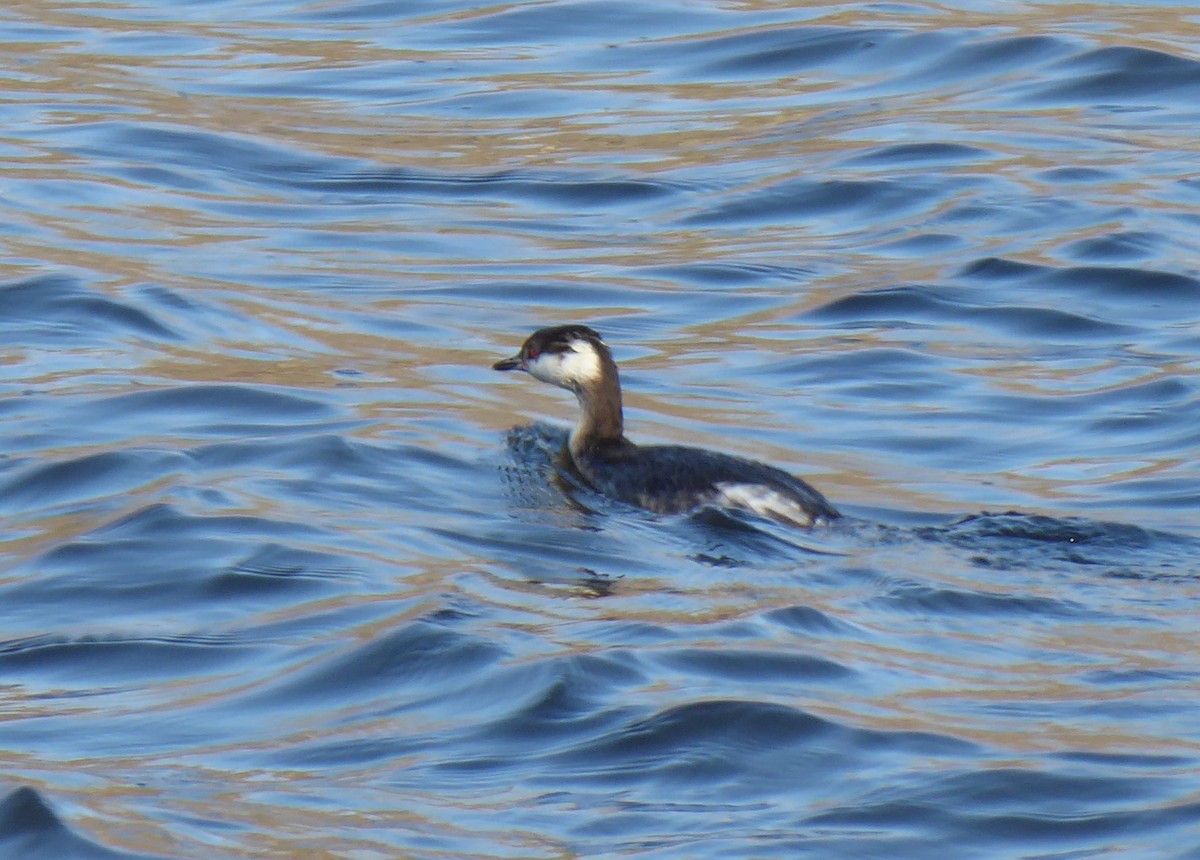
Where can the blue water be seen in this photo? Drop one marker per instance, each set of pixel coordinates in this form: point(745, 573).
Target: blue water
point(288, 571)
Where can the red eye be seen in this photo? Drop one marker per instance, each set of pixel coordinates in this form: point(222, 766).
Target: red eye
point(532, 353)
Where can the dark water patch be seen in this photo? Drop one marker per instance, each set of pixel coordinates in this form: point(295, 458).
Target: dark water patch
point(727, 275)
point(574, 26)
point(1122, 247)
point(160, 558)
point(548, 294)
point(633, 634)
point(568, 191)
point(799, 200)
point(921, 245)
point(1012, 212)
point(902, 155)
point(1135, 679)
point(324, 452)
point(1035, 323)
point(529, 103)
point(695, 743)
point(1000, 269)
point(1167, 408)
point(1125, 409)
point(943, 602)
point(1019, 810)
point(1137, 286)
point(112, 659)
point(1119, 74)
point(328, 756)
point(1095, 303)
point(1031, 541)
point(1190, 187)
point(1003, 801)
point(870, 364)
point(165, 523)
point(419, 657)
point(272, 567)
point(865, 60)
point(203, 319)
point(1138, 289)
point(942, 306)
point(780, 51)
point(498, 718)
point(162, 177)
point(807, 621)
point(57, 310)
point(380, 10)
point(1179, 494)
point(200, 153)
point(12, 407)
point(1076, 176)
point(1134, 761)
point(1124, 414)
point(211, 409)
point(565, 701)
point(893, 304)
point(702, 748)
point(339, 471)
point(576, 684)
point(31, 830)
point(753, 667)
point(256, 163)
point(581, 557)
point(87, 478)
point(1036, 528)
point(993, 58)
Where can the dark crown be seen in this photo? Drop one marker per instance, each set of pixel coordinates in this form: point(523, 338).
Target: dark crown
point(557, 338)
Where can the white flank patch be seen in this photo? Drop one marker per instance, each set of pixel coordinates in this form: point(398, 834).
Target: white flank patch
point(763, 501)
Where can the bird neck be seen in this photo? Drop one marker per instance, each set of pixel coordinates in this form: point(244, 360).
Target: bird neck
point(601, 421)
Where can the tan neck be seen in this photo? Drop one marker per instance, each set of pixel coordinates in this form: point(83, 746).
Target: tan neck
point(601, 421)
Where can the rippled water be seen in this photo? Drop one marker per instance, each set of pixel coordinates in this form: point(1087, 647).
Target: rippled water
point(280, 580)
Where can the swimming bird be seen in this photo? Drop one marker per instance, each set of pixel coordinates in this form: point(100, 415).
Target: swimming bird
point(666, 479)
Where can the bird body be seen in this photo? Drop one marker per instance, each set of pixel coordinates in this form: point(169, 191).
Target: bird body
point(661, 478)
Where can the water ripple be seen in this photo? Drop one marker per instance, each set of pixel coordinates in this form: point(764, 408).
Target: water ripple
point(51, 309)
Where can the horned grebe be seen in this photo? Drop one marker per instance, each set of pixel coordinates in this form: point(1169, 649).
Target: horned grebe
point(666, 479)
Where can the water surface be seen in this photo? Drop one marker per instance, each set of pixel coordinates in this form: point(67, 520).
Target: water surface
point(280, 579)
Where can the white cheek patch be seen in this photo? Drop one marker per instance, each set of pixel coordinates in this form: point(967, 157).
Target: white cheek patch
point(580, 364)
point(546, 367)
point(763, 501)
